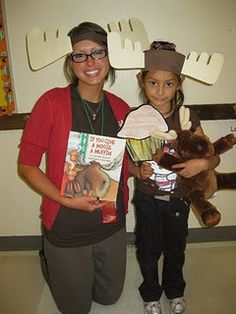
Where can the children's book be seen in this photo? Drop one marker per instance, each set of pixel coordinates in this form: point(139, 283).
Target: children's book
point(93, 165)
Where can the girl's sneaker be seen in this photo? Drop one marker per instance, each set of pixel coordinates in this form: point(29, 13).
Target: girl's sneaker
point(152, 307)
point(177, 305)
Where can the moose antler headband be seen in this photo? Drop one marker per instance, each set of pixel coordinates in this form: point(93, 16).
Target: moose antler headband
point(128, 49)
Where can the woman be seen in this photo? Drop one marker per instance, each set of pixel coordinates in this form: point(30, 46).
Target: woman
point(86, 258)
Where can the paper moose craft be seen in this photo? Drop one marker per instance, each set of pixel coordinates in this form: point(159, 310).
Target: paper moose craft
point(202, 186)
point(139, 140)
point(145, 130)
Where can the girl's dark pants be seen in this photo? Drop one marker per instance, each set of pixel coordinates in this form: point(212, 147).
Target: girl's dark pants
point(161, 227)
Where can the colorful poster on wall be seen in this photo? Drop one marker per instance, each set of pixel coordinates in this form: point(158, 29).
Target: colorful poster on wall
point(7, 105)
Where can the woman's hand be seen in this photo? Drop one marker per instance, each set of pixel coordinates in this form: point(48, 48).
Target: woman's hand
point(43, 185)
point(84, 202)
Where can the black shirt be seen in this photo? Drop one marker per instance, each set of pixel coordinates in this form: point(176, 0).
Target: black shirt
point(74, 227)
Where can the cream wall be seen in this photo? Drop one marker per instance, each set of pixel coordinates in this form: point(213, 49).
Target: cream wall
point(208, 25)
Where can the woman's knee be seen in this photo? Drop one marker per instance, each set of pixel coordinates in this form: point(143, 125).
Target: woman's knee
point(108, 298)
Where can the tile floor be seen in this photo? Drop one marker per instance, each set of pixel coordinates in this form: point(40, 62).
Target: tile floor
point(210, 273)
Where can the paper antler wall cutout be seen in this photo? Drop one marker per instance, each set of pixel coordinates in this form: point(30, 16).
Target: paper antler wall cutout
point(126, 43)
point(125, 53)
point(45, 48)
point(203, 67)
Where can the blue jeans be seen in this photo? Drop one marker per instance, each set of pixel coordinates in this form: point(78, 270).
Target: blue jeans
point(161, 228)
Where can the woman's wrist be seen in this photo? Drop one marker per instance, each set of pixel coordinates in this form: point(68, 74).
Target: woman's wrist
point(64, 201)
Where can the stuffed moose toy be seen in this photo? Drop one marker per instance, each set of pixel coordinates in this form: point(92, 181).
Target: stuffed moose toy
point(201, 187)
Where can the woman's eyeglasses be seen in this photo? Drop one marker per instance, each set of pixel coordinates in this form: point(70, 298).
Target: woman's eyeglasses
point(82, 57)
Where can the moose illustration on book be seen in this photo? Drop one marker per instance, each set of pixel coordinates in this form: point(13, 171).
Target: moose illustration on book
point(93, 165)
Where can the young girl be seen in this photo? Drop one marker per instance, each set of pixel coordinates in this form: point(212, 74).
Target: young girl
point(161, 209)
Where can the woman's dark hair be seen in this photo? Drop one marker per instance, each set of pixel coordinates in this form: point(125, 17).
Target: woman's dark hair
point(178, 99)
point(86, 30)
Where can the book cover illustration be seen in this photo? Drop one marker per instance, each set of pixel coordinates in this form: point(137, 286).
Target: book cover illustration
point(93, 165)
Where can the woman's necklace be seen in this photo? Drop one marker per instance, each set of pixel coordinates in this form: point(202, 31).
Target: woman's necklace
point(90, 112)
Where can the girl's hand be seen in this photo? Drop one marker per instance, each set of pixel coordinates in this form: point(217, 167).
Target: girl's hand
point(84, 202)
point(145, 170)
point(191, 167)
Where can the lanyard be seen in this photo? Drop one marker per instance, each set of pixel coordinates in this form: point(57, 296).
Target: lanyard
point(88, 116)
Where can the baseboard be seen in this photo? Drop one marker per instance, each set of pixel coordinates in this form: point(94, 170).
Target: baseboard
point(20, 243)
point(196, 235)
